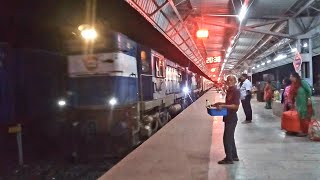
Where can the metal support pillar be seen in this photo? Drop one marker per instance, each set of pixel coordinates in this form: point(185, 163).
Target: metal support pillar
point(307, 69)
point(304, 46)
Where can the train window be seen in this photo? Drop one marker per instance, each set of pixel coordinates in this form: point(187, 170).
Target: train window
point(160, 67)
point(144, 63)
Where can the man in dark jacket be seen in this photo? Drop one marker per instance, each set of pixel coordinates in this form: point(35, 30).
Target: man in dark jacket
point(232, 104)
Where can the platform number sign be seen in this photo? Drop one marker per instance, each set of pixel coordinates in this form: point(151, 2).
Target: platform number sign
point(297, 62)
point(211, 60)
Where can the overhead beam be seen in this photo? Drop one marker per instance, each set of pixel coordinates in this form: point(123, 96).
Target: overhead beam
point(182, 22)
point(272, 17)
point(210, 49)
point(180, 2)
point(315, 8)
point(221, 15)
point(267, 32)
point(158, 7)
point(303, 8)
point(246, 28)
point(268, 22)
point(193, 54)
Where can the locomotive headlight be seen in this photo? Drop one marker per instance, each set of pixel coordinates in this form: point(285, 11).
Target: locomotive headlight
point(88, 32)
point(62, 103)
point(185, 90)
point(113, 101)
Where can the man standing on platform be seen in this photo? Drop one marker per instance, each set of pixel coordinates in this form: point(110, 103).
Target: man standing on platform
point(245, 90)
point(230, 121)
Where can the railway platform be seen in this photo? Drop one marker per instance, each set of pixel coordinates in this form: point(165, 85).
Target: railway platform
point(190, 145)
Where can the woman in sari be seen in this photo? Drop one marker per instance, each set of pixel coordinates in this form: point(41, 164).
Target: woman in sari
point(300, 95)
point(268, 94)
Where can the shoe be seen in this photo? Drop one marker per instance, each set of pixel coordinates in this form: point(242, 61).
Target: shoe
point(224, 161)
point(246, 122)
point(235, 159)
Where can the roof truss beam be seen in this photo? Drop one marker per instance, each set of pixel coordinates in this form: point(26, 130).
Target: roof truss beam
point(306, 6)
point(268, 22)
point(191, 51)
point(315, 8)
point(247, 28)
point(159, 8)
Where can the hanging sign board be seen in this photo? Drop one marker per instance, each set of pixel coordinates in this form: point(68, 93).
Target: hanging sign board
point(211, 60)
point(297, 61)
point(14, 129)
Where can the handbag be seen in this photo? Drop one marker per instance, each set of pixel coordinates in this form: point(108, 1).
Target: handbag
point(314, 125)
point(314, 130)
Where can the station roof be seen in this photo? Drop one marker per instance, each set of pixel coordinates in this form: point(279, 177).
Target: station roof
point(239, 43)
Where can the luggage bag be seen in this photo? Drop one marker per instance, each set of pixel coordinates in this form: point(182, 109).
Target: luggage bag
point(314, 130)
point(290, 121)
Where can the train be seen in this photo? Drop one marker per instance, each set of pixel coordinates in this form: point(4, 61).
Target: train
point(126, 90)
point(110, 97)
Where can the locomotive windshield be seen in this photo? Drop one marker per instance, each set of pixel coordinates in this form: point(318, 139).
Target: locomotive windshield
point(102, 90)
point(85, 93)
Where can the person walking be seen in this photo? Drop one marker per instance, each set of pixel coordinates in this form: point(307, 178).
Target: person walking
point(232, 103)
point(268, 94)
point(245, 92)
point(300, 94)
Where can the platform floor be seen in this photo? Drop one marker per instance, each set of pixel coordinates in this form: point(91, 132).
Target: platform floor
point(189, 147)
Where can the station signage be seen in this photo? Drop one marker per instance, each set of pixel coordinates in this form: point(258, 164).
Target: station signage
point(211, 60)
point(297, 61)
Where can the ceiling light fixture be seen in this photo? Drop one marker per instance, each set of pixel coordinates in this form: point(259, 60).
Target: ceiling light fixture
point(280, 56)
point(242, 13)
point(305, 45)
point(229, 49)
point(269, 61)
point(202, 33)
point(262, 64)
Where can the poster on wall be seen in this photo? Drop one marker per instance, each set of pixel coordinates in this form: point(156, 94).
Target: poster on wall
point(297, 61)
